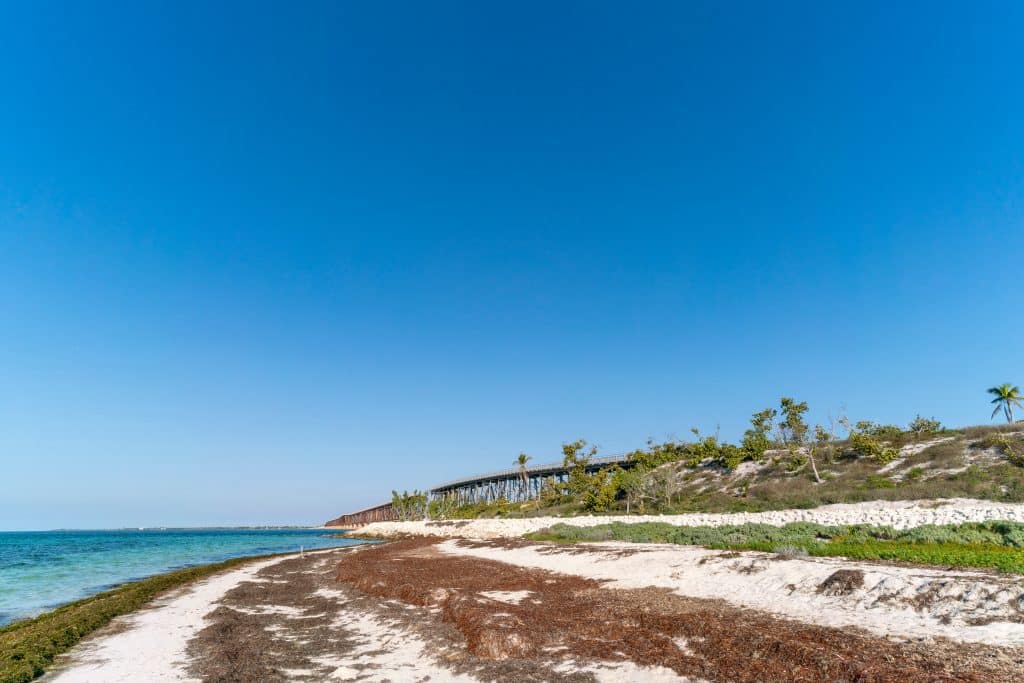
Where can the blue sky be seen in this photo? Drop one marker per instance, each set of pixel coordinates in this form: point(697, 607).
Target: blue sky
point(264, 263)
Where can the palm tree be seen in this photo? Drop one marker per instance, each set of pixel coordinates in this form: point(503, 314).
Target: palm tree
point(1006, 397)
point(521, 461)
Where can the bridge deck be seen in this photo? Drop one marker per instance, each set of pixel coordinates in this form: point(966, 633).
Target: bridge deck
point(549, 469)
point(509, 484)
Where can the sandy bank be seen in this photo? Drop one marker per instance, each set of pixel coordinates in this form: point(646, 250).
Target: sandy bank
point(457, 610)
point(897, 514)
point(887, 600)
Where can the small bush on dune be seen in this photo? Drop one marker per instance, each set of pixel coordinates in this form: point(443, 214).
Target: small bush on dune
point(922, 426)
point(914, 473)
point(877, 481)
point(867, 445)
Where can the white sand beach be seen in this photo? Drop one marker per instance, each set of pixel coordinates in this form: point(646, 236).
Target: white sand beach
point(304, 621)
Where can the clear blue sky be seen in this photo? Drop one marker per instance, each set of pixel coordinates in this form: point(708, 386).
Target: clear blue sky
point(264, 263)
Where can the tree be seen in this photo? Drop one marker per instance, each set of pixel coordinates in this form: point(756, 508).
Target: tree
point(631, 482)
point(793, 431)
point(521, 461)
point(824, 443)
point(443, 506)
point(576, 459)
point(409, 506)
point(1006, 397)
point(793, 428)
point(756, 440)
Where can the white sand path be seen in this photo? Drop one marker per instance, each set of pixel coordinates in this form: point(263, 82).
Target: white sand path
point(150, 644)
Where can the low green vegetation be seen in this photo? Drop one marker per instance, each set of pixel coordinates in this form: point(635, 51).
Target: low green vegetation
point(993, 545)
point(28, 647)
point(781, 461)
point(794, 464)
point(985, 463)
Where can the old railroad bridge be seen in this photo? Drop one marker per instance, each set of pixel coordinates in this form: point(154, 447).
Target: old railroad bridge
point(514, 484)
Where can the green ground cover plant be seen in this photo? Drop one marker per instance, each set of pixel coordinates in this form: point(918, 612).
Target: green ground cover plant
point(29, 646)
point(993, 545)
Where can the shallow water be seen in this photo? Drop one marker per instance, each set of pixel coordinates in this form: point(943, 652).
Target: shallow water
point(40, 570)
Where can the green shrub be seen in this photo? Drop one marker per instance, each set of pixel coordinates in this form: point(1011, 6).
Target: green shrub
point(796, 463)
point(887, 455)
point(602, 489)
point(877, 481)
point(879, 431)
point(756, 440)
point(868, 445)
point(755, 444)
point(887, 432)
point(922, 426)
point(731, 456)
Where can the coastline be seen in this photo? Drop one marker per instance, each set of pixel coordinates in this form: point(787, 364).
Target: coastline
point(466, 610)
point(29, 647)
point(462, 610)
point(441, 600)
point(43, 570)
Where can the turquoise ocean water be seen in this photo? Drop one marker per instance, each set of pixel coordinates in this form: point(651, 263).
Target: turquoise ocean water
point(40, 570)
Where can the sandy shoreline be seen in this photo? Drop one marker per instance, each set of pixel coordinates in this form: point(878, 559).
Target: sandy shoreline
point(466, 610)
point(150, 643)
point(897, 514)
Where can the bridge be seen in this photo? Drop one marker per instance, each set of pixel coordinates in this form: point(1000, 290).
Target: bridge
point(514, 484)
point(378, 513)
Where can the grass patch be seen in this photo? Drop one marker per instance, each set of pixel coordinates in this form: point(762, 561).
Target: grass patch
point(982, 556)
point(28, 646)
point(992, 545)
